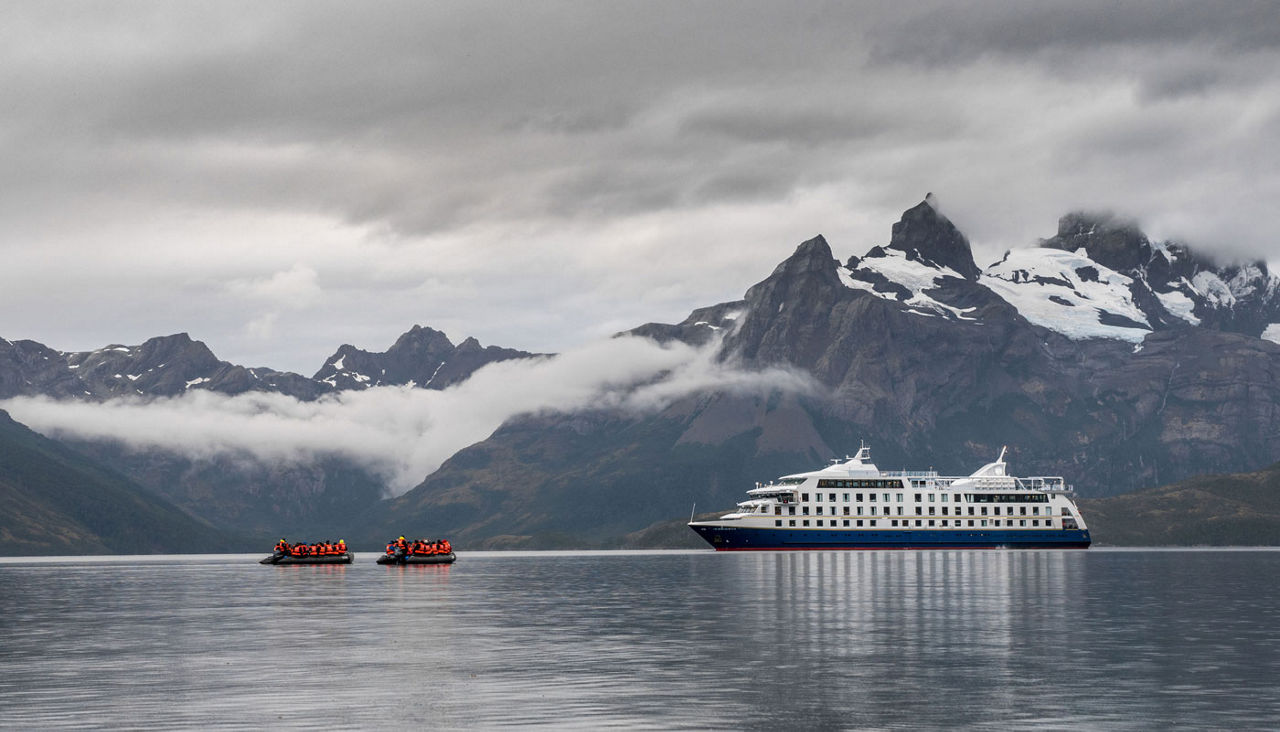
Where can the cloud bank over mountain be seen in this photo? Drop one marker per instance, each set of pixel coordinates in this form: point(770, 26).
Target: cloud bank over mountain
point(403, 433)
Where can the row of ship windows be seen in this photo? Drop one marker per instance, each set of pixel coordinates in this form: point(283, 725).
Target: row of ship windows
point(919, 497)
point(920, 522)
point(865, 483)
point(920, 511)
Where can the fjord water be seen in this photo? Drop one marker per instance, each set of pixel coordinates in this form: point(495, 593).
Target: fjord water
point(980, 639)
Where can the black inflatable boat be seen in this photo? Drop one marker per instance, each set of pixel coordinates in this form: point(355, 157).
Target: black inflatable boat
point(279, 558)
point(418, 558)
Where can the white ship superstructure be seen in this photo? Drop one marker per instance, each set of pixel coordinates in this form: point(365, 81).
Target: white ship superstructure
point(851, 504)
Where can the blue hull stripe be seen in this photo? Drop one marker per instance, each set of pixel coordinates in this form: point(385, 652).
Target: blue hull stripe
point(736, 538)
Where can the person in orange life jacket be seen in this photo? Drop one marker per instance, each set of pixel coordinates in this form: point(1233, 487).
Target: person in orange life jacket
point(282, 546)
point(342, 546)
point(391, 547)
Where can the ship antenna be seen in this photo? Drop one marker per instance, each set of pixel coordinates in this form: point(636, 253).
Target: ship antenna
point(692, 511)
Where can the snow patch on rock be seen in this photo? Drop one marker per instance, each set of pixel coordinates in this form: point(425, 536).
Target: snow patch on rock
point(1046, 287)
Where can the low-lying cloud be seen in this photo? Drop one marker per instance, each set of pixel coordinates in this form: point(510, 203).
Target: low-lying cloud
point(404, 433)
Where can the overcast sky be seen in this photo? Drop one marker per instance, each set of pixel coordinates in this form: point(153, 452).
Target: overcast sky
point(280, 178)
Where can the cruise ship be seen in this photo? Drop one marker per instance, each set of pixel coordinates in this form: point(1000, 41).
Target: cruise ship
point(851, 504)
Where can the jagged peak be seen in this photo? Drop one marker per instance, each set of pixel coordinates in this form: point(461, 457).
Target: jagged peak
point(924, 234)
point(812, 255)
point(421, 336)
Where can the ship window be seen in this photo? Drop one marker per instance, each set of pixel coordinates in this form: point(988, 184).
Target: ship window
point(873, 510)
point(806, 522)
point(819, 511)
point(873, 523)
point(777, 522)
point(984, 512)
point(846, 498)
point(805, 510)
point(893, 522)
point(819, 522)
point(984, 522)
point(1022, 510)
point(1022, 522)
point(930, 498)
point(1035, 510)
point(944, 510)
point(917, 498)
point(846, 510)
point(918, 522)
point(944, 522)
point(791, 510)
point(859, 510)
point(899, 498)
point(831, 498)
point(899, 510)
point(804, 497)
point(872, 497)
point(931, 522)
point(971, 510)
point(859, 522)
point(944, 497)
point(777, 510)
point(1048, 522)
point(858, 498)
point(919, 511)
point(791, 522)
point(971, 522)
point(846, 523)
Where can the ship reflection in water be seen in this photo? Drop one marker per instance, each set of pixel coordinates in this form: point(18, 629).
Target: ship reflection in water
point(983, 639)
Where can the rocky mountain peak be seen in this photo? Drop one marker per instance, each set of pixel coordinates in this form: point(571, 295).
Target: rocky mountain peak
point(924, 234)
point(1108, 239)
point(812, 257)
point(422, 340)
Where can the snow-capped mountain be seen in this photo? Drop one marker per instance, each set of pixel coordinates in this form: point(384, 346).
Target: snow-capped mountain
point(162, 366)
point(422, 357)
point(1099, 277)
point(168, 366)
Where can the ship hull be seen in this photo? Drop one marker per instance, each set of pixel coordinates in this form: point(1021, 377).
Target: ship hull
point(741, 538)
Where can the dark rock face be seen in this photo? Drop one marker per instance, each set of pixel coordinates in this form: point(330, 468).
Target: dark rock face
point(924, 234)
point(423, 357)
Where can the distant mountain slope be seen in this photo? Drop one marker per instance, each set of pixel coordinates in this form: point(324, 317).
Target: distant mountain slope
point(168, 366)
point(234, 491)
point(1214, 510)
point(422, 357)
point(55, 501)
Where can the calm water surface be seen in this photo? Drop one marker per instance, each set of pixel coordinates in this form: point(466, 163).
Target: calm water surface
point(978, 639)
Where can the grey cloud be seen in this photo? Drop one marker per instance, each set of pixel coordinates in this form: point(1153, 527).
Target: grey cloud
point(964, 31)
point(534, 174)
